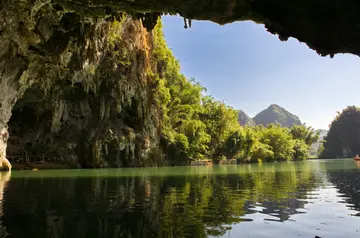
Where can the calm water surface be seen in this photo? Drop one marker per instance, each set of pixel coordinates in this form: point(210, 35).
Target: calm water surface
point(301, 199)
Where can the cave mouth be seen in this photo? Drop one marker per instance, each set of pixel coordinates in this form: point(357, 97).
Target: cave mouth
point(68, 129)
point(40, 129)
point(25, 136)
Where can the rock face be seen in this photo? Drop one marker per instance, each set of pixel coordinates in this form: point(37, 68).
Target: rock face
point(100, 113)
point(327, 27)
point(276, 114)
point(79, 89)
point(4, 136)
point(244, 119)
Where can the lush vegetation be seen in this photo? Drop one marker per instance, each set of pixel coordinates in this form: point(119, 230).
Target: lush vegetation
point(342, 139)
point(196, 127)
point(318, 146)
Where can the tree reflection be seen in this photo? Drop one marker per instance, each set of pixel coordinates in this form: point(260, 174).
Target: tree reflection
point(151, 206)
point(347, 183)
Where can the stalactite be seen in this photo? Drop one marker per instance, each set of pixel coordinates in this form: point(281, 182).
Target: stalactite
point(185, 23)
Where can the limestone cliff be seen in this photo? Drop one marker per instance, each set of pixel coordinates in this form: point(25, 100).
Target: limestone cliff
point(78, 88)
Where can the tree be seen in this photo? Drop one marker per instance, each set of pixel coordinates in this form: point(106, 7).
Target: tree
point(306, 134)
point(280, 141)
point(234, 144)
point(301, 150)
point(221, 123)
point(343, 138)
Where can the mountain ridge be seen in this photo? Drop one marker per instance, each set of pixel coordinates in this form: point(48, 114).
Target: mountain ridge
point(272, 114)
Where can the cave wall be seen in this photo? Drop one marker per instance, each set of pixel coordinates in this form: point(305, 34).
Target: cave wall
point(101, 114)
point(328, 27)
point(79, 88)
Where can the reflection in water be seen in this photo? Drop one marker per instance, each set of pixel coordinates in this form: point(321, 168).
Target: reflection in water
point(4, 178)
point(346, 179)
point(147, 206)
point(357, 162)
point(153, 205)
point(349, 187)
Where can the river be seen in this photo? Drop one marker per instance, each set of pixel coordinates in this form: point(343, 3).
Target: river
point(290, 199)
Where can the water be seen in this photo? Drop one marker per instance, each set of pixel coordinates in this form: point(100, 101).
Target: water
point(301, 199)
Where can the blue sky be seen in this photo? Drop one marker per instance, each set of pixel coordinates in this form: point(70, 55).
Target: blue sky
point(248, 68)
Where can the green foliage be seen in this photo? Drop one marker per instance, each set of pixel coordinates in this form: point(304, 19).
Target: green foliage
point(222, 127)
point(234, 144)
point(301, 150)
point(314, 150)
point(342, 139)
point(306, 134)
point(304, 137)
point(184, 135)
point(281, 144)
point(321, 148)
point(280, 141)
point(196, 127)
point(261, 152)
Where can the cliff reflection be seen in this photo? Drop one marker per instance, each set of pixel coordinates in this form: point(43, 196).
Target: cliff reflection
point(347, 183)
point(4, 179)
point(151, 206)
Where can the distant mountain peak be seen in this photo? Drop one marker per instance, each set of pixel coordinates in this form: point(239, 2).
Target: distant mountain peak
point(277, 115)
point(244, 119)
point(274, 106)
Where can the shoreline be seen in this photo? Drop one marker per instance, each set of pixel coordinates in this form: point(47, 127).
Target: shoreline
point(59, 165)
point(42, 166)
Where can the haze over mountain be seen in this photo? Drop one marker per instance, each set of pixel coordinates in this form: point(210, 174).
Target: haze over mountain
point(273, 114)
point(314, 147)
